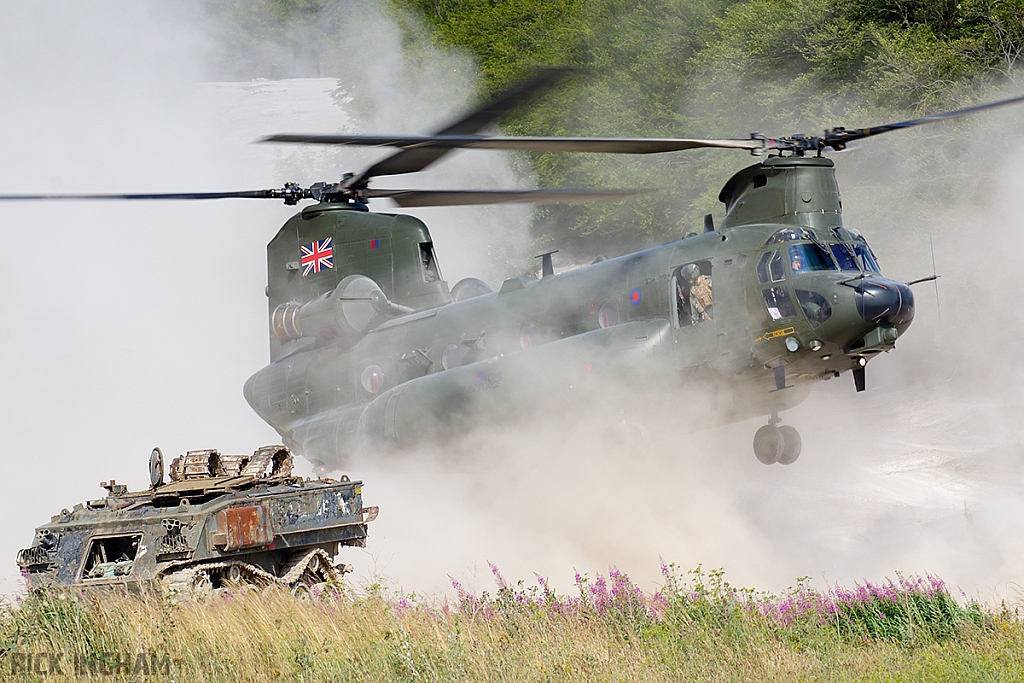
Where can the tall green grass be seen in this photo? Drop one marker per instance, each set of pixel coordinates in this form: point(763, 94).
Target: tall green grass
point(696, 627)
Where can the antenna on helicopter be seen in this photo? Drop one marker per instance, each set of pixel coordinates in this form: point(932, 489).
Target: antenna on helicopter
point(938, 307)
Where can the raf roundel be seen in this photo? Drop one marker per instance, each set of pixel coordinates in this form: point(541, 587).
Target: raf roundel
point(635, 297)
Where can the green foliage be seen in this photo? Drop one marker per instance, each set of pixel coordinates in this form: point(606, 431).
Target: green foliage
point(693, 68)
point(685, 68)
point(510, 36)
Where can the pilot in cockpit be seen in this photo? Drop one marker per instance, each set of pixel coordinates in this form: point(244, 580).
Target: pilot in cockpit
point(796, 260)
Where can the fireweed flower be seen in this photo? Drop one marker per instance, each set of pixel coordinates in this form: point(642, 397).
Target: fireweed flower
point(904, 609)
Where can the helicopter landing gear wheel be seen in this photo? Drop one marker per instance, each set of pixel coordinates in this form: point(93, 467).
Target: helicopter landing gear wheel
point(769, 444)
point(791, 445)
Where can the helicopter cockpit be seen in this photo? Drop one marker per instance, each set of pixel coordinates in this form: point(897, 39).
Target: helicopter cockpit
point(805, 253)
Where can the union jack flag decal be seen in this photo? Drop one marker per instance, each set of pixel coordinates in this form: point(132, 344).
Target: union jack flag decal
point(317, 256)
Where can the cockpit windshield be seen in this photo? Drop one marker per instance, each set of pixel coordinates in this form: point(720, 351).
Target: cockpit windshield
point(809, 257)
point(844, 257)
point(866, 257)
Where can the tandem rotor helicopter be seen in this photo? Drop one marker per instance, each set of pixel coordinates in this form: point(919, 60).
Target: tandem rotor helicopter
point(372, 351)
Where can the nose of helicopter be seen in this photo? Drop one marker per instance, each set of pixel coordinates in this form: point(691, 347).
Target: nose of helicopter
point(885, 302)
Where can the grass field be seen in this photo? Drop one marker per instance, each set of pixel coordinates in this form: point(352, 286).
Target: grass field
point(697, 627)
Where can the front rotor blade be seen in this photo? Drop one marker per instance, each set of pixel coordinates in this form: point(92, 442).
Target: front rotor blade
point(524, 144)
point(837, 138)
point(414, 198)
point(623, 145)
point(412, 160)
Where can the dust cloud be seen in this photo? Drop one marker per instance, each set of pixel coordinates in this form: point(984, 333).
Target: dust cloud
point(129, 325)
point(924, 472)
point(126, 326)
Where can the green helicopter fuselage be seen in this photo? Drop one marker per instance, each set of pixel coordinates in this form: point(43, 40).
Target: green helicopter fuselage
point(372, 351)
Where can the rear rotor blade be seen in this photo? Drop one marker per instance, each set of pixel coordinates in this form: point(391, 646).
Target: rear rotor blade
point(250, 194)
point(412, 160)
point(290, 193)
point(414, 198)
point(527, 144)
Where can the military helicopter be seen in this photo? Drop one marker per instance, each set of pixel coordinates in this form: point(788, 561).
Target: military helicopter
point(372, 351)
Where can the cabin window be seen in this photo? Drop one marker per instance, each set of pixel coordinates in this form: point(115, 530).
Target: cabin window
point(815, 307)
point(529, 336)
point(111, 556)
point(451, 357)
point(373, 379)
point(770, 268)
point(779, 303)
point(693, 293)
point(430, 273)
point(608, 314)
point(805, 258)
point(844, 257)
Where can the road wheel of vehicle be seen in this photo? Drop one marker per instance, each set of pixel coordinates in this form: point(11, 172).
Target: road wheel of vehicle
point(300, 589)
point(202, 587)
point(232, 574)
point(791, 445)
point(768, 444)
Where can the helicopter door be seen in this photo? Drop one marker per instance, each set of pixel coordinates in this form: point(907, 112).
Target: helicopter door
point(693, 294)
point(693, 312)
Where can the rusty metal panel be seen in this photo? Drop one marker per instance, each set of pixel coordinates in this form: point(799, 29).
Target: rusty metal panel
point(243, 527)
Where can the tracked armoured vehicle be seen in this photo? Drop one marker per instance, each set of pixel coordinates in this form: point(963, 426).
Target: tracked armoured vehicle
point(221, 521)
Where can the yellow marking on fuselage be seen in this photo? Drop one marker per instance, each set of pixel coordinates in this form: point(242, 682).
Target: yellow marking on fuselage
point(775, 334)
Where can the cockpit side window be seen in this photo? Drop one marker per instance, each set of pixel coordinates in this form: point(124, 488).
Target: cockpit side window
point(776, 269)
point(770, 269)
point(816, 307)
point(762, 268)
point(779, 303)
point(809, 257)
point(844, 257)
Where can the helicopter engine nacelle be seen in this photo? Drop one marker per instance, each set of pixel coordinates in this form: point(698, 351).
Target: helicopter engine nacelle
point(345, 313)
